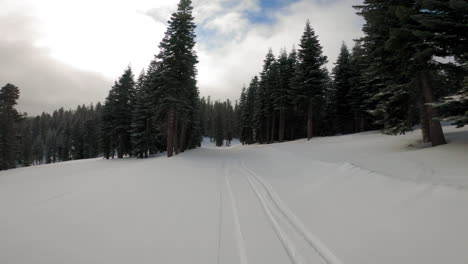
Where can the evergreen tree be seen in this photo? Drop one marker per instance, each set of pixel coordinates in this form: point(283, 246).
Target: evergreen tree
point(410, 35)
point(141, 121)
point(179, 93)
point(264, 114)
point(219, 126)
point(251, 125)
point(243, 115)
point(281, 94)
point(293, 122)
point(117, 116)
point(342, 74)
point(362, 89)
point(444, 24)
point(454, 108)
point(308, 83)
point(25, 157)
point(9, 116)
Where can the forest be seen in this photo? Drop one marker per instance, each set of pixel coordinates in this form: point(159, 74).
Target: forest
point(409, 70)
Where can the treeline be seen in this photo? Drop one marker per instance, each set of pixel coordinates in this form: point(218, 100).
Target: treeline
point(48, 138)
point(219, 121)
point(407, 70)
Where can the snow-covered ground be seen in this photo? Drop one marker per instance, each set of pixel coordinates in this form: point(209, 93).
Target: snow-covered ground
point(361, 199)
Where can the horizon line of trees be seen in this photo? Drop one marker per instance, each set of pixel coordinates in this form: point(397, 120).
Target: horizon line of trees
point(219, 121)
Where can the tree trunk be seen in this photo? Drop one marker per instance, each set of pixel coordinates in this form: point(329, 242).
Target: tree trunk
point(423, 120)
point(435, 128)
point(121, 146)
point(356, 124)
point(362, 124)
point(183, 133)
point(176, 133)
point(425, 124)
point(148, 138)
point(267, 130)
point(309, 121)
point(170, 132)
point(273, 128)
point(281, 126)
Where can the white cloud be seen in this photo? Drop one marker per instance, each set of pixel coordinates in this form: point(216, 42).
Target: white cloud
point(105, 36)
point(226, 67)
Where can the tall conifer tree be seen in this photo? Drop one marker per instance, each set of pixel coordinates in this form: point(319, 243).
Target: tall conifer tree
point(308, 83)
point(179, 95)
point(9, 116)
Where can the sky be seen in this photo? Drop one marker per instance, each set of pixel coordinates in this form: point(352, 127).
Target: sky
point(63, 53)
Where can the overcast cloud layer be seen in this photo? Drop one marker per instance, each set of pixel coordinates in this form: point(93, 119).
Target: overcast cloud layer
point(65, 53)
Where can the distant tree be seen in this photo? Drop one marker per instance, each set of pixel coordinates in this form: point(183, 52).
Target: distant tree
point(25, 155)
point(219, 126)
point(9, 116)
point(117, 116)
point(243, 117)
point(250, 111)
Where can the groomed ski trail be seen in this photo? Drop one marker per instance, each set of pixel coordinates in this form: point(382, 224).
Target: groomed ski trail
point(238, 231)
point(276, 210)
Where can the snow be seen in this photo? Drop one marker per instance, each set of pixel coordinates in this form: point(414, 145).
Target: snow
point(359, 199)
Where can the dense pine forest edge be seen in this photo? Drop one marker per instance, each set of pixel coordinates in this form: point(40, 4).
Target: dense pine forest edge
point(409, 70)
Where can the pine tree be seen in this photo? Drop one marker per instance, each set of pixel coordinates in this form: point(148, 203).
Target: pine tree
point(219, 126)
point(361, 90)
point(25, 157)
point(444, 24)
point(308, 83)
point(292, 121)
point(454, 108)
point(408, 41)
point(9, 116)
point(179, 96)
point(243, 116)
point(264, 105)
point(342, 97)
point(281, 94)
point(249, 115)
point(117, 116)
point(141, 121)
point(388, 74)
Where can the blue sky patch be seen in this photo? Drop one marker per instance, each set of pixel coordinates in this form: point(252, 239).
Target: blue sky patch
point(263, 16)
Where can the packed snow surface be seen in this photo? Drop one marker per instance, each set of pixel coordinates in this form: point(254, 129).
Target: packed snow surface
point(357, 199)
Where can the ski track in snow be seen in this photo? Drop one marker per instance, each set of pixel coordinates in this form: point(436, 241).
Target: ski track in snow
point(220, 226)
point(281, 234)
point(272, 202)
point(237, 226)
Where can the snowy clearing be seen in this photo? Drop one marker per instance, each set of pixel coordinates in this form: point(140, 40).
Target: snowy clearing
point(358, 199)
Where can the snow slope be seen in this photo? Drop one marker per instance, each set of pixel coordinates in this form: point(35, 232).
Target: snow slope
point(361, 199)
